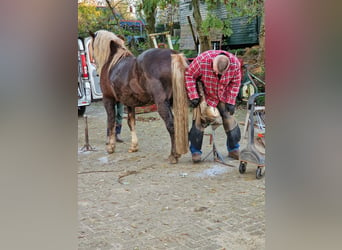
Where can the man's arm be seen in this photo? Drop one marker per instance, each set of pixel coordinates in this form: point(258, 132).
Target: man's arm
point(234, 86)
point(191, 74)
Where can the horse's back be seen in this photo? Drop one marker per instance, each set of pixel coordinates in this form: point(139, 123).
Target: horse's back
point(156, 52)
point(155, 59)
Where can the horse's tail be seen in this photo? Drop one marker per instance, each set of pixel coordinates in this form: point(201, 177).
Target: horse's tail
point(180, 103)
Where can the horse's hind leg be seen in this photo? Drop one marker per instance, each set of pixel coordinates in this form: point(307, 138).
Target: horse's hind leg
point(110, 109)
point(131, 124)
point(164, 110)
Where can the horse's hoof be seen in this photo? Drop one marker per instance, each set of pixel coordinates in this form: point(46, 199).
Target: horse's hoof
point(132, 150)
point(110, 149)
point(173, 160)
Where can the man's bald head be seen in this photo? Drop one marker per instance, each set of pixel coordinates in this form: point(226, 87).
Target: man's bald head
point(221, 64)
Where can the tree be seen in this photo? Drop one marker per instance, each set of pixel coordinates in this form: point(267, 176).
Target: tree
point(89, 18)
point(92, 18)
point(203, 37)
point(235, 8)
point(251, 9)
point(147, 10)
point(119, 9)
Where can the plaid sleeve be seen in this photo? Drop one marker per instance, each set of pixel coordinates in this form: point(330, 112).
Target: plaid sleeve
point(191, 74)
point(234, 84)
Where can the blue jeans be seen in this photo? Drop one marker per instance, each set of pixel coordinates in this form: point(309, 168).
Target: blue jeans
point(193, 149)
point(230, 126)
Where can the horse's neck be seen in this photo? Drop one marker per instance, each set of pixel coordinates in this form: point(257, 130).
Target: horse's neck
point(128, 62)
point(117, 59)
point(125, 68)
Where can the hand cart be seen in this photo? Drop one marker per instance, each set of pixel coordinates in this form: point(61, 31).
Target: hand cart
point(250, 154)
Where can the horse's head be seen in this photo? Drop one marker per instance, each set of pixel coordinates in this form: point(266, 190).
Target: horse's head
point(105, 45)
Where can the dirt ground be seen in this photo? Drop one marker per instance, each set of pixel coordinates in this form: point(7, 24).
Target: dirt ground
point(140, 201)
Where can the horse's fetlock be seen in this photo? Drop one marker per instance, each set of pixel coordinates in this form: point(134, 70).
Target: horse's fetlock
point(173, 159)
point(110, 149)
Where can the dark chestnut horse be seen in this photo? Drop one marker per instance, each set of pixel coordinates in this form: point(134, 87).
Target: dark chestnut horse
point(155, 76)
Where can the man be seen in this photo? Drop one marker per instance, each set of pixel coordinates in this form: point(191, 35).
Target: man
point(220, 73)
point(119, 110)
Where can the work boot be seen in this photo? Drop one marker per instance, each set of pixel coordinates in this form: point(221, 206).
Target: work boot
point(196, 157)
point(234, 154)
point(118, 138)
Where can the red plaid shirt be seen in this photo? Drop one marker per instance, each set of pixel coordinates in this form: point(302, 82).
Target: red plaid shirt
point(225, 90)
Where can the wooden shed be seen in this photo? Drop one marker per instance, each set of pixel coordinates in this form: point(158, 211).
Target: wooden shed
point(244, 33)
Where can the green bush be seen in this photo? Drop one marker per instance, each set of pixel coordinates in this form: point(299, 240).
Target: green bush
point(189, 53)
point(238, 52)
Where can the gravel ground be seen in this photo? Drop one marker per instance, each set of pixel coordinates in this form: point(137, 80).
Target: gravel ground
point(140, 201)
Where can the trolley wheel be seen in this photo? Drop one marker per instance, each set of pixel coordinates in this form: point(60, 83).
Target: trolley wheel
point(242, 167)
point(259, 173)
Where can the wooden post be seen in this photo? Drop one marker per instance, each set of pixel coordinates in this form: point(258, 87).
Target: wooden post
point(193, 34)
point(154, 41)
point(86, 146)
point(168, 36)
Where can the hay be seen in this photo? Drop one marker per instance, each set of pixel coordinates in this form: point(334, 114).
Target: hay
point(180, 103)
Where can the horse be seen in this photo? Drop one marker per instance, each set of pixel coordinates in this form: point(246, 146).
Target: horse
point(156, 76)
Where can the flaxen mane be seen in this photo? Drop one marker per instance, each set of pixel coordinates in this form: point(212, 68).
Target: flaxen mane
point(102, 49)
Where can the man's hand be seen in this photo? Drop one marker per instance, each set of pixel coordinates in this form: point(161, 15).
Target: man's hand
point(194, 102)
point(230, 108)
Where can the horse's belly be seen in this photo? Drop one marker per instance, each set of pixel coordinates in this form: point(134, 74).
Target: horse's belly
point(136, 100)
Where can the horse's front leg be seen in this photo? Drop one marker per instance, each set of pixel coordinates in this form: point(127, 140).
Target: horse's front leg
point(131, 124)
point(109, 105)
point(164, 110)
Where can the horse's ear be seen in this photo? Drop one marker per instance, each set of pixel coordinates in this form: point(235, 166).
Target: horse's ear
point(92, 34)
point(113, 47)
